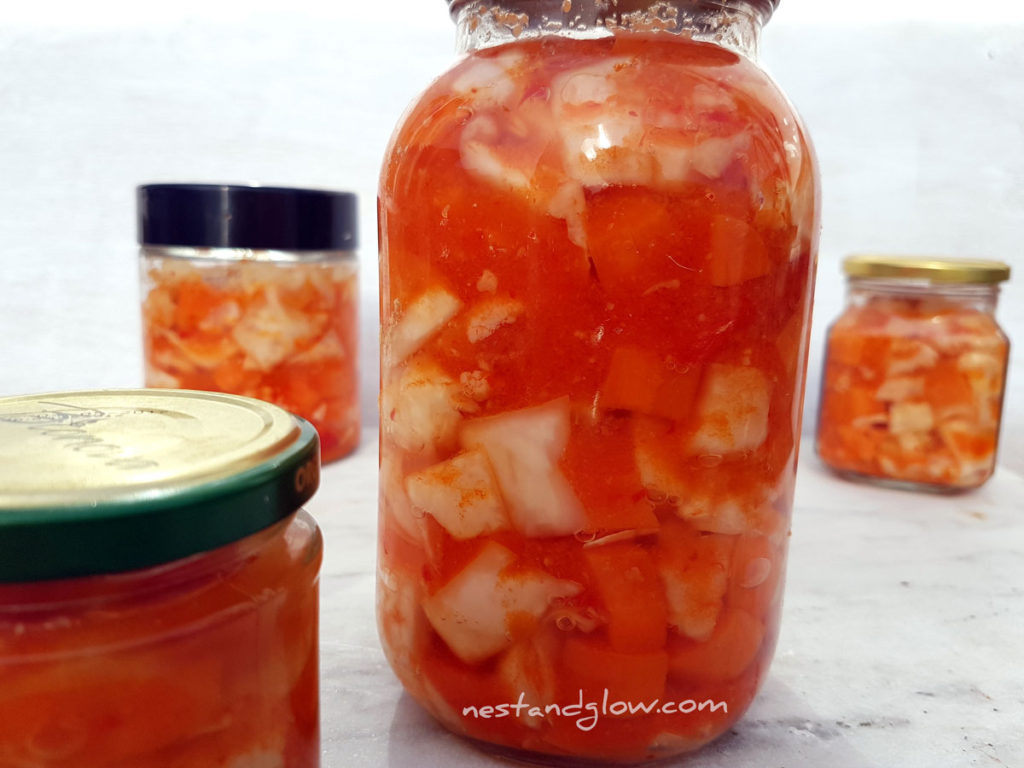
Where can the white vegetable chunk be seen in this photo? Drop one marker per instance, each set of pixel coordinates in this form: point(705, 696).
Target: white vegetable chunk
point(909, 355)
point(526, 668)
point(524, 447)
point(420, 408)
point(905, 418)
point(268, 332)
point(900, 388)
point(732, 411)
point(472, 612)
point(424, 317)
point(461, 494)
point(489, 315)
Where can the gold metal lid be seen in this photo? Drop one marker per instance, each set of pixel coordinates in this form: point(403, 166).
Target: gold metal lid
point(937, 270)
point(113, 480)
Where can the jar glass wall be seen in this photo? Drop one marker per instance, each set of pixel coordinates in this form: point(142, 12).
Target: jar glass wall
point(205, 662)
point(158, 582)
point(598, 237)
point(254, 291)
point(915, 372)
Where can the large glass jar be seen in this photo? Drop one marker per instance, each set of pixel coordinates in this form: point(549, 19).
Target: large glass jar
point(158, 582)
point(254, 291)
point(915, 370)
point(598, 238)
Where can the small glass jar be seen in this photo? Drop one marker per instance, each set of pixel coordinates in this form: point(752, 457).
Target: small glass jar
point(598, 239)
point(254, 291)
point(158, 582)
point(915, 371)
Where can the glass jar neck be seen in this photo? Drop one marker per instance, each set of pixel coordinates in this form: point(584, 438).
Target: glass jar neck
point(980, 297)
point(732, 24)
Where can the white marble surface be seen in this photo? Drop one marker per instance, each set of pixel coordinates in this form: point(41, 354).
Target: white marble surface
point(902, 643)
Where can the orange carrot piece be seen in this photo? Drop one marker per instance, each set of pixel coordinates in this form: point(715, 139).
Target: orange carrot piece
point(730, 650)
point(628, 584)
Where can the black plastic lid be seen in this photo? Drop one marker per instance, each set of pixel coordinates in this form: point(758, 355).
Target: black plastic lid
point(233, 216)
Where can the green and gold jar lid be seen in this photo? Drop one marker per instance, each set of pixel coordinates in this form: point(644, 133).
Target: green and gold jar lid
point(117, 480)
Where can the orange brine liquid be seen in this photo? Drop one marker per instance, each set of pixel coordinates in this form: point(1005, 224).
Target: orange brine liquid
point(597, 261)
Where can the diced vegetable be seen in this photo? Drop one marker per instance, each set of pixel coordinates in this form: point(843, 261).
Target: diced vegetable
point(716, 502)
point(729, 650)
point(489, 605)
point(737, 252)
point(920, 405)
point(695, 569)
point(905, 418)
point(901, 388)
point(269, 331)
point(424, 317)
point(593, 666)
point(420, 408)
point(462, 495)
point(489, 315)
point(524, 447)
point(401, 618)
point(909, 355)
point(640, 380)
point(282, 332)
point(627, 581)
point(732, 411)
point(528, 669)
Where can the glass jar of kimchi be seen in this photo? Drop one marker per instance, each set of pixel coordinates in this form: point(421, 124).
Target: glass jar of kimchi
point(598, 237)
point(254, 291)
point(158, 582)
point(915, 370)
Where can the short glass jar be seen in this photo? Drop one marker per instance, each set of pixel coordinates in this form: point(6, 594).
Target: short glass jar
point(254, 291)
point(158, 582)
point(915, 371)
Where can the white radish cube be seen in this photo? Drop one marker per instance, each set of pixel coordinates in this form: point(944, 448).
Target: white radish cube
point(712, 156)
point(524, 447)
point(396, 508)
point(489, 315)
point(695, 577)
point(910, 355)
point(905, 418)
point(419, 408)
point(732, 411)
point(424, 317)
point(461, 494)
point(900, 388)
point(402, 624)
point(269, 332)
point(527, 669)
point(474, 613)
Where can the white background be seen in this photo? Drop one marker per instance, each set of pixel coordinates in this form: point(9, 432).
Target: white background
point(916, 109)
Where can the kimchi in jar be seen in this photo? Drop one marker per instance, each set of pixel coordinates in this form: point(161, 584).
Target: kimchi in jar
point(158, 582)
point(915, 371)
point(254, 291)
point(598, 238)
